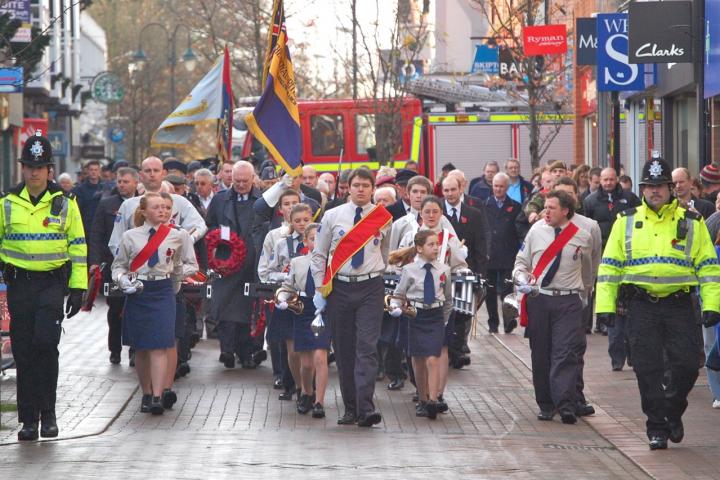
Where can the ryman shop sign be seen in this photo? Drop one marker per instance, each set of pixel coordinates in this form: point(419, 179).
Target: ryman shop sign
point(660, 32)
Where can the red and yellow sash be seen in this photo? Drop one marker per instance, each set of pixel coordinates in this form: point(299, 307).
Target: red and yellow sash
point(355, 239)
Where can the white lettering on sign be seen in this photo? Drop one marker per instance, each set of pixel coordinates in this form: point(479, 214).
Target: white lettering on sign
point(587, 41)
point(620, 77)
point(652, 50)
point(618, 25)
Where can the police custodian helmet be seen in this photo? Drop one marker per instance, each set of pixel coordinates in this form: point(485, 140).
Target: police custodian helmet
point(37, 151)
point(656, 172)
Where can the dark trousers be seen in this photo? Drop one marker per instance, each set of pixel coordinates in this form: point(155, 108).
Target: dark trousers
point(355, 313)
point(589, 311)
point(580, 349)
point(36, 303)
point(235, 338)
point(496, 286)
point(618, 343)
point(554, 324)
point(669, 326)
point(114, 320)
point(463, 323)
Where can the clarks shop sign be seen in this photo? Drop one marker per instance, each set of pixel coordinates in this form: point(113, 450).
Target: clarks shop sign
point(660, 32)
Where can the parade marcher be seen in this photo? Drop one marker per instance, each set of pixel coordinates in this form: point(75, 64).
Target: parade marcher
point(160, 256)
point(232, 211)
point(501, 211)
point(43, 254)
point(682, 181)
point(431, 296)
point(481, 187)
point(99, 253)
point(312, 349)
point(203, 182)
point(89, 193)
point(710, 334)
point(348, 263)
point(566, 184)
point(655, 256)
point(556, 252)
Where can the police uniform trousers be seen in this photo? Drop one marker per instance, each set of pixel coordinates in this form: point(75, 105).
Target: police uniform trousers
point(355, 311)
point(656, 326)
point(554, 324)
point(35, 302)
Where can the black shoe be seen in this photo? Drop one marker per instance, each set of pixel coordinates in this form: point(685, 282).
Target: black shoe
point(545, 416)
point(677, 431)
point(396, 384)
point(658, 442)
point(511, 325)
point(286, 395)
point(432, 409)
point(588, 331)
point(115, 358)
point(421, 410)
point(617, 368)
point(227, 359)
point(583, 410)
point(49, 428)
point(278, 383)
point(331, 358)
point(168, 399)
point(348, 419)
point(442, 406)
point(370, 419)
point(156, 407)
point(145, 403)
point(493, 329)
point(28, 432)
point(259, 357)
point(182, 369)
point(460, 362)
point(568, 418)
point(304, 405)
point(249, 364)
point(131, 357)
point(318, 411)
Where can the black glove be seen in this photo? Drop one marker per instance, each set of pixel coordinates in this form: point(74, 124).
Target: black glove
point(607, 319)
point(710, 319)
point(73, 302)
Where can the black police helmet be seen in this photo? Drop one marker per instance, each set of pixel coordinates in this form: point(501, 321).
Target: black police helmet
point(656, 172)
point(37, 151)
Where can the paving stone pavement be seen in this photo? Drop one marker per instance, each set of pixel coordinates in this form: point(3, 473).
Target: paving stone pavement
point(230, 422)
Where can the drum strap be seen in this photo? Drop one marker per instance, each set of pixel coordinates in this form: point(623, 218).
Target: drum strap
point(150, 248)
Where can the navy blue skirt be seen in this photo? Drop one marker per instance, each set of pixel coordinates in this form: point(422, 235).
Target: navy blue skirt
point(280, 326)
point(426, 333)
point(149, 317)
point(304, 340)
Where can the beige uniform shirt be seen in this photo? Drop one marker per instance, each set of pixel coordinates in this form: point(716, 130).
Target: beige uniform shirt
point(267, 249)
point(409, 223)
point(335, 224)
point(453, 257)
point(412, 283)
point(575, 263)
point(281, 256)
point(298, 274)
point(176, 255)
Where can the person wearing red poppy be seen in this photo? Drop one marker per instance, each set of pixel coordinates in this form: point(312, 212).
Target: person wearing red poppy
point(501, 212)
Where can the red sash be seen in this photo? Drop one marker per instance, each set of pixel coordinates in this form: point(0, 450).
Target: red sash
point(355, 239)
point(545, 259)
point(150, 248)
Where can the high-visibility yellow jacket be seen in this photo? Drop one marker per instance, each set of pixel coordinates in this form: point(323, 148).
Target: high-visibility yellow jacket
point(34, 239)
point(644, 250)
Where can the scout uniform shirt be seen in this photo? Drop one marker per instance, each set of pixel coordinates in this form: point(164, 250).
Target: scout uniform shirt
point(267, 250)
point(412, 281)
point(455, 254)
point(176, 255)
point(335, 224)
point(409, 223)
point(296, 278)
point(285, 249)
point(575, 259)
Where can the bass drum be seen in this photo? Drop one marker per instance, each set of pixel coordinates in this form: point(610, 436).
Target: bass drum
point(226, 257)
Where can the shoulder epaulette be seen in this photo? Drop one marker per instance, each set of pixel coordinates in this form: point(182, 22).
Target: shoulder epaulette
point(70, 195)
point(628, 212)
point(692, 215)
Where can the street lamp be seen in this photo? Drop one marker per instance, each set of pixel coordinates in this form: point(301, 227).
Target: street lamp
point(188, 59)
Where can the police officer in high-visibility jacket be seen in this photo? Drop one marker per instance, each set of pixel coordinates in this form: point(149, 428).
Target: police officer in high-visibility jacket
point(656, 255)
point(43, 250)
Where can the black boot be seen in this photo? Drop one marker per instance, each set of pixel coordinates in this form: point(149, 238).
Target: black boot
point(28, 432)
point(168, 399)
point(145, 403)
point(49, 428)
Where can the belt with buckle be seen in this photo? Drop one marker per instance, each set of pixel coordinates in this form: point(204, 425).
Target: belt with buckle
point(425, 306)
point(645, 295)
point(557, 292)
point(357, 278)
point(152, 278)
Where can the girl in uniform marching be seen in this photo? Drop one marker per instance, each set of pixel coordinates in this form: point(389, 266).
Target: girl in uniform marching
point(425, 282)
point(159, 256)
point(281, 324)
point(313, 350)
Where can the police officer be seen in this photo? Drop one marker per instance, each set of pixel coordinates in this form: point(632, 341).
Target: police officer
point(656, 254)
point(43, 252)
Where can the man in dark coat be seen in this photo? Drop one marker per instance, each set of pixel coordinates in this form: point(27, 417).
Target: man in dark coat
point(606, 202)
point(501, 211)
point(233, 209)
point(99, 252)
point(481, 187)
point(89, 193)
point(402, 207)
point(340, 191)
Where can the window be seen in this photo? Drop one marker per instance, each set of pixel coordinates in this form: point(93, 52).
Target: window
point(365, 132)
point(326, 133)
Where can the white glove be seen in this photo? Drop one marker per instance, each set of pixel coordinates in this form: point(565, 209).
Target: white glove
point(126, 285)
point(463, 253)
point(526, 289)
point(282, 305)
point(319, 302)
point(283, 297)
point(395, 312)
point(287, 180)
point(272, 194)
point(394, 303)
